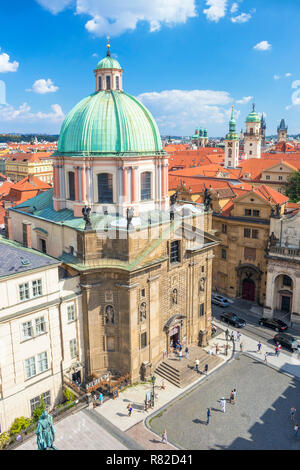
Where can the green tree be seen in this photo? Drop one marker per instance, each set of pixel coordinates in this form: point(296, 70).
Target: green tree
point(37, 413)
point(19, 424)
point(293, 187)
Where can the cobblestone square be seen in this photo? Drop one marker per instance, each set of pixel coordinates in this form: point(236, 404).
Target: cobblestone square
point(260, 419)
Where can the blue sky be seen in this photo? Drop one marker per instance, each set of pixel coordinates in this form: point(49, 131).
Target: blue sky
point(187, 60)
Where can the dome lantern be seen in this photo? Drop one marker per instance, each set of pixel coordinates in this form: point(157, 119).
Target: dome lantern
point(108, 74)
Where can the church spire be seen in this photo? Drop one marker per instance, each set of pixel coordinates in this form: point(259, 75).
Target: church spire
point(108, 47)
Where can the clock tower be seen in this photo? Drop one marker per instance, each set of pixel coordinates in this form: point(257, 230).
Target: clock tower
point(232, 145)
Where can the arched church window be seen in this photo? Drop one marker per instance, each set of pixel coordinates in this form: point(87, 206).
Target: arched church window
point(109, 315)
point(105, 188)
point(117, 83)
point(146, 186)
point(143, 311)
point(229, 153)
point(71, 178)
point(108, 83)
point(99, 83)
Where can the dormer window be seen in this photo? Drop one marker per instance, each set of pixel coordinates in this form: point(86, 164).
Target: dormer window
point(108, 83)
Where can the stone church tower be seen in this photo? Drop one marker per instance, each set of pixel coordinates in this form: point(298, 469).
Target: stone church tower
point(232, 145)
point(252, 136)
point(145, 265)
point(282, 131)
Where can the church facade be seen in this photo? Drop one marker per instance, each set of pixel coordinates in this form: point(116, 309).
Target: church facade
point(145, 262)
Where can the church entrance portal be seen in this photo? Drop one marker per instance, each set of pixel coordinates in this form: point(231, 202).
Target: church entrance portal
point(248, 290)
point(174, 334)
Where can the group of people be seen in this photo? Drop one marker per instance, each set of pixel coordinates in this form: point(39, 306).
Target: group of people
point(197, 363)
point(178, 349)
point(232, 401)
point(296, 426)
point(97, 400)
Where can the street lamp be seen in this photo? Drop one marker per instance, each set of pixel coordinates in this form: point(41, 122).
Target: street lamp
point(153, 378)
point(227, 335)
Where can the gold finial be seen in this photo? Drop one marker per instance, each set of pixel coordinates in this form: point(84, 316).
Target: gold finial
point(108, 46)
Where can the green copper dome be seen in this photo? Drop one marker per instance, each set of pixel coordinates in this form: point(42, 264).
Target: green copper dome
point(253, 116)
point(108, 63)
point(109, 122)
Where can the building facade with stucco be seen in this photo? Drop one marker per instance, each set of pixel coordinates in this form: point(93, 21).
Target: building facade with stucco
point(145, 262)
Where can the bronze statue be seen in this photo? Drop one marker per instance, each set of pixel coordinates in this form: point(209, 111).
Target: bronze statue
point(207, 200)
point(129, 216)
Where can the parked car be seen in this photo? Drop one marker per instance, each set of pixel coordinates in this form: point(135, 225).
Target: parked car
point(232, 319)
point(219, 300)
point(287, 341)
point(273, 323)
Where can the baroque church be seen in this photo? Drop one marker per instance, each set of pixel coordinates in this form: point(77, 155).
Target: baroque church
point(145, 262)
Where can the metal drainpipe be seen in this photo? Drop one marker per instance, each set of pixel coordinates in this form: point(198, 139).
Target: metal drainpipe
point(61, 340)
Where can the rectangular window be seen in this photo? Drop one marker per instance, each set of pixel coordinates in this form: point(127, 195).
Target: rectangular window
point(256, 213)
point(117, 83)
point(30, 370)
point(43, 245)
point(247, 232)
point(108, 87)
point(71, 177)
point(175, 252)
point(248, 212)
point(25, 238)
point(254, 233)
point(42, 361)
point(268, 177)
point(24, 291)
point(143, 293)
point(224, 228)
point(40, 326)
point(280, 178)
point(27, 330)
point(143, 340)
point(71, 312)
point(37, 288)
point(146, 186)
point(223, 254)
point(201, 310)
point(36, 401)
point(99, 83)
point(73, 348)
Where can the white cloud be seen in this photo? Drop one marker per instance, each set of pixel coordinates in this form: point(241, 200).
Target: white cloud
point(295, 95)
point(6, 65)
point(263, 46)
point(114, 17)
point(180, 111)
point(234, 8)
point(55, 6)
point(217, 9)
point(43, 86)
point(24, 114)
point(276, 77)
point(242, 18)
point(288, 74)
point(245, 100)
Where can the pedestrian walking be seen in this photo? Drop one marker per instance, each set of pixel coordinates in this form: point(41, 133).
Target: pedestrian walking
point(164, 437)
point(276, 351)
point(279, 349)
point(223, 404)
point(208, 415)
point(266, 358)
point(180, 354)
point(231, 398)
point(238, 336)
point(296, 429)
point(129, 408)
point(100, 398)
point(94, 401)
point(217, 349)
point(187, 352)
point(234, 396)
point(206, 369)
point(162, 387)
point(227, 333)
point(197, 365)
point(259, 347)
point(292, 413)
point(241, 346)
point(232, 336)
